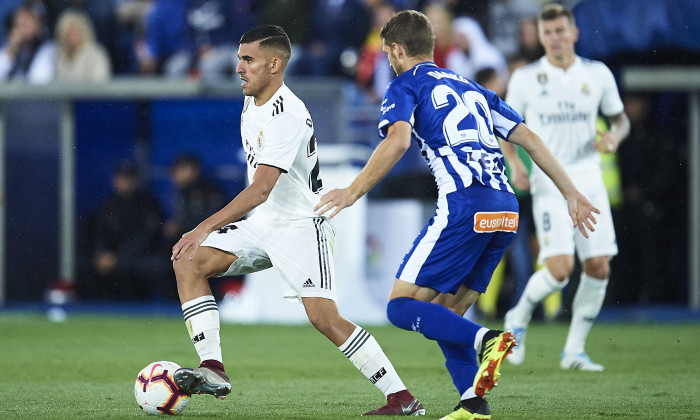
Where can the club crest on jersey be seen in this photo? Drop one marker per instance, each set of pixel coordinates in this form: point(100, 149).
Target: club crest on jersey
point(585, 89)
point(542, 78)
point(259, 141)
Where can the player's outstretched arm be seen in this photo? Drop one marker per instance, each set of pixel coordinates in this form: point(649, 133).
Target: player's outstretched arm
point(385, 156)
point(251, 197)
point(580, 209)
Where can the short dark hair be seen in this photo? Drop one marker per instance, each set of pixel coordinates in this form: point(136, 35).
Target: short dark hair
point(270, 36)
point(412, 30)
point(554, 11)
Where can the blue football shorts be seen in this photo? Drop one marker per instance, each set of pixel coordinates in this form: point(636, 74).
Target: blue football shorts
point(464, 241)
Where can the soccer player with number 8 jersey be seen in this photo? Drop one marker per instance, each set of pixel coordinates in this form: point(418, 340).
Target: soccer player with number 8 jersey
point(455, 122)
point(560, 96)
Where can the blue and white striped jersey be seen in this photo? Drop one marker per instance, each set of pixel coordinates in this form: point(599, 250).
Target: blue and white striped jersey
point(455, 122)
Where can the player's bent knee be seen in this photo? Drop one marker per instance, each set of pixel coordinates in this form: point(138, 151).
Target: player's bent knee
point(560, 267)
point(185, 267)
point(395, 312)
point(597, 267)
point(205, 264)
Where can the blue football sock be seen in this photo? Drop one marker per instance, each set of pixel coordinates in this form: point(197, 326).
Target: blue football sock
point(434, 321)
point(461, 364)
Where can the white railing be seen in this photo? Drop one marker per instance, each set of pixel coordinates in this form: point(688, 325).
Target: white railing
point(684, 79)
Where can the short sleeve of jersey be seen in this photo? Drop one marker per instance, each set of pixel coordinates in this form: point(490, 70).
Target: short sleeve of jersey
point(505, 118)
point(398, 105)
point(611, 104)
point(282, 138)
point(516, 96)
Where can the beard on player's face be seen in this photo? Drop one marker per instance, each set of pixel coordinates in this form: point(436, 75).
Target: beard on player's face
point(393, 59)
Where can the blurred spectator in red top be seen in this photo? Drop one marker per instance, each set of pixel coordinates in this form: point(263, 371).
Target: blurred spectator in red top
point(441, 19)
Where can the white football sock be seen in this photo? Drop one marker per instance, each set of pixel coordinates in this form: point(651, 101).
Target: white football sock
point(365, 353)
point(540, 285)
point(584, 310)
point(479, 338)
point(202, 321)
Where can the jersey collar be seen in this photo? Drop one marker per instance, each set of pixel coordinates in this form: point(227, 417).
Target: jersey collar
point(419, 65)
point(551, 67)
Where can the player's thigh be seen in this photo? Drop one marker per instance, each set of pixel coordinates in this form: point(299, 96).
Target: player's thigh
point(554, 227)
point(240, 240)
point(212, 261)
point(480, 276)
point(602, 241)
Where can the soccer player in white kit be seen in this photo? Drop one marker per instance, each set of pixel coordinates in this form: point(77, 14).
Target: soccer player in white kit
point(283, 232)
point(560, 96)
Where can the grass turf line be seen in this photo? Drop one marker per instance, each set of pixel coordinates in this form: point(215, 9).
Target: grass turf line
point(85, 369)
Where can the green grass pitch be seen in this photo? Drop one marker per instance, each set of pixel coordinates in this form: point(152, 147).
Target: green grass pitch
point(85, 368)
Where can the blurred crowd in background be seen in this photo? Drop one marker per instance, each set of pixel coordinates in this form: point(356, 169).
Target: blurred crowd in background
point(128, 235)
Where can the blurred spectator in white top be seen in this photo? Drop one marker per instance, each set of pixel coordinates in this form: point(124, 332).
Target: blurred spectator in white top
point(504, 22)
point(80, 58)
point(474, 52)
point(29, 54)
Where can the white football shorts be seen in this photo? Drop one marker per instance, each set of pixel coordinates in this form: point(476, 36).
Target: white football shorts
point(557, 235)
point(301, 251)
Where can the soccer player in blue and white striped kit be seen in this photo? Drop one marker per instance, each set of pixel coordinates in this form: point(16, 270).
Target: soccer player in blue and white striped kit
point(455, 123)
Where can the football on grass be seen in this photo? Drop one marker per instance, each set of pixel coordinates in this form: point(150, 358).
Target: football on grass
point(156, 392)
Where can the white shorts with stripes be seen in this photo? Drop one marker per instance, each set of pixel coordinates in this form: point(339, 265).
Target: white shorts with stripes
point(301, 251)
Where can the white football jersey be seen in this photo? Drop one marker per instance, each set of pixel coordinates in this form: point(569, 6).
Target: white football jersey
point(562, 108)
point(280, 133)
